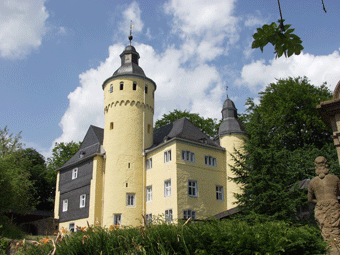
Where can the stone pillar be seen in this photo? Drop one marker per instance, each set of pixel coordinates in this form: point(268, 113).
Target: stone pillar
point(330, 113)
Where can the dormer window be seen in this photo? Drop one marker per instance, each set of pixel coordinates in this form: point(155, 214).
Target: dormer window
point(81, 154)
point(74, 173)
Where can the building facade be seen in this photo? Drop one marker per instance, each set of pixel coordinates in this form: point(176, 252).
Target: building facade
point(128, 173)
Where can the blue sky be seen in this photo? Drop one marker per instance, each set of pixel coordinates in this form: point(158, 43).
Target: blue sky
point(55, 55)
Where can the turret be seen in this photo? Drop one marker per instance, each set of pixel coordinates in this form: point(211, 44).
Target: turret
point(129, 109)
point(231, 135)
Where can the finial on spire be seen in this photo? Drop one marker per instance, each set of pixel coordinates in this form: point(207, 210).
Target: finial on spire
point(131, 27)
point(227, 91)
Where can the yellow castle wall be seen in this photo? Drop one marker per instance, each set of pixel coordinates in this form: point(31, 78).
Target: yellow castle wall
point(207, 177)
point(230, 143)
point(57, 198)
point(124, 145)
point(156, 176)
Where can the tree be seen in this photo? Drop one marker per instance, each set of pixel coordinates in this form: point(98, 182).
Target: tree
point(15, 184)
point(61, 153)
point(280, 36)
point(209, 126)
point(286, 135)
point(41, 189)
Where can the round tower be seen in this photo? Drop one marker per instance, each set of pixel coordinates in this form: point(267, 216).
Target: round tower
point(231, 135)
point(129, 109)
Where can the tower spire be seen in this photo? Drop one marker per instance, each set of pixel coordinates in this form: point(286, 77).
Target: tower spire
point(130, 36)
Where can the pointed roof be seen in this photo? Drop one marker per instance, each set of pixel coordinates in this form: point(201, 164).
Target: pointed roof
point(181, 128)
point(230, 123)
point(90, 146)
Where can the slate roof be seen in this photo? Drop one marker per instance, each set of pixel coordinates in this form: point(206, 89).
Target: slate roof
point(89, 147)
point(181, 128)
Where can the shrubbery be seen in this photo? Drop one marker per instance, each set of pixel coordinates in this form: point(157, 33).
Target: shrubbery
point(208, 237)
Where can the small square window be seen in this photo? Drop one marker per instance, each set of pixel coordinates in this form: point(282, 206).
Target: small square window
point(192, 188)
point(74, 173)
point(148, 163)
point(82, 201)
point(167, 156)
point(65, 205)
point(71, 227)
point(148, 218)
point(219, 193)
point(117, 219)
point(167, 188)
point(130, 199)
point(189, 213)
point(148, 193)
point(168, 215)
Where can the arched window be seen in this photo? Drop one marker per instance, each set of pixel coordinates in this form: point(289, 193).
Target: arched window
point(111, 88)
point(121, 85)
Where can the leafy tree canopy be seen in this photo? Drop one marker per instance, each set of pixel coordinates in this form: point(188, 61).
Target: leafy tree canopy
point(286, 135)
point(15, 183)
point(208, 125)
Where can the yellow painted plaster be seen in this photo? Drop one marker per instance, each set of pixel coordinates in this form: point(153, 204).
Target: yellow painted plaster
point(130, 111)
point(57, 198)
point(230, 143)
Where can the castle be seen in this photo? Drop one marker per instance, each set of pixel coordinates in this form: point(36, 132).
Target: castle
point(128, 173)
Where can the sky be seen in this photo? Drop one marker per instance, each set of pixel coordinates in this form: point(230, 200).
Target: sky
point(55, 55)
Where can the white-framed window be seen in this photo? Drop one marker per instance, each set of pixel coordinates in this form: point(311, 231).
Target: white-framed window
point(74, 173)
point(167, 156)
point(168, 215)
point(148, 193)
point(148, 218)
point(189, 213)
point(188, 156)
point(117, 219)
point(111, 88)
point(130, 199)
point(71, 227)
point(82, 201)
point(167, 188)
point(192, 188)
point(210, 161)
point(65, 205)
point(219, 193)
point(148, 163)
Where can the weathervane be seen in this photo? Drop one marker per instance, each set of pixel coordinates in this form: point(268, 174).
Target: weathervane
point(227, 90)
point(131, 27)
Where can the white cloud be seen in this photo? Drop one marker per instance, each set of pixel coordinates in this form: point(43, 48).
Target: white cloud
point(132, 13)
point(317, 69)
point(209, 23)
point(22, 26)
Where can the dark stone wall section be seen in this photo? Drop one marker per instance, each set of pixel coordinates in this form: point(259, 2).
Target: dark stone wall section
point(73, 189)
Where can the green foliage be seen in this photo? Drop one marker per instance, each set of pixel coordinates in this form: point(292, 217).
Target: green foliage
point(61, 153)
point(213, 237)
point(4, 246)
point(8, 229)
point(283, 40)
point(286, 135)
point(208, 125)
point(14, 179)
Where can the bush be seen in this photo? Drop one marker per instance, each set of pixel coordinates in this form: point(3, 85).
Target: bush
point(206, 237)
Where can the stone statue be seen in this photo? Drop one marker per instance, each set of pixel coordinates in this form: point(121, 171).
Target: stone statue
point(323, 191)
